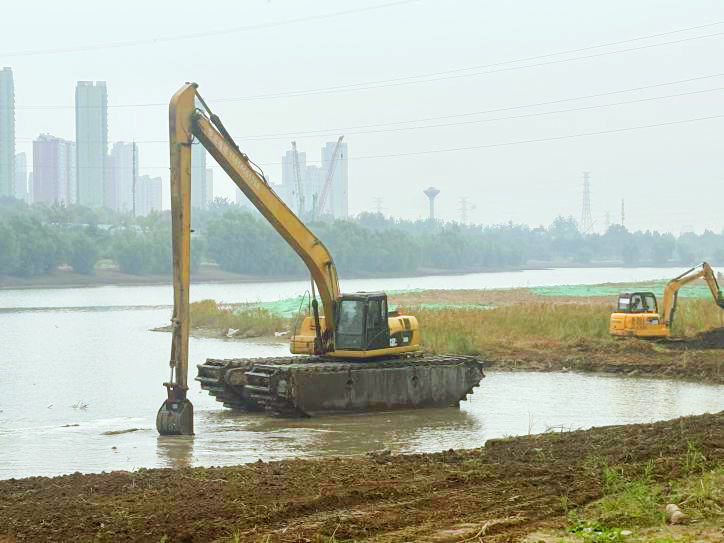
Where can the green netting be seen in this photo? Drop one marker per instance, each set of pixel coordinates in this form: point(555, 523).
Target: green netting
point(613, 290)
point(289, 307)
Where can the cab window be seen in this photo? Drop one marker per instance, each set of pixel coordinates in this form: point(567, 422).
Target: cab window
point(350, 324)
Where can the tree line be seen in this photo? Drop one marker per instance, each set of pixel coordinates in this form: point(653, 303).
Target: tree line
point(37, 239)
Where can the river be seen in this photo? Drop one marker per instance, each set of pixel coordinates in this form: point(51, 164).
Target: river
point(79, 363)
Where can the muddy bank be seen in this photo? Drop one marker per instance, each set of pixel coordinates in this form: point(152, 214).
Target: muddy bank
point(506, 489)
point(698, 359)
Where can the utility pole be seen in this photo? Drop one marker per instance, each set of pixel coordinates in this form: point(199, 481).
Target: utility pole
point(608, 221)
point(463, 210)
point(378, 205)
point(623, 215)
point(586, 218)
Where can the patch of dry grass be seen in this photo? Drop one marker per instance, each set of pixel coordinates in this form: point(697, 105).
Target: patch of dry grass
point(470, 329)
point(218, 316)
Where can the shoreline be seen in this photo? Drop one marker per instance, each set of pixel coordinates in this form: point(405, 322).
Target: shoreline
point(537, 487)
point(209, 274)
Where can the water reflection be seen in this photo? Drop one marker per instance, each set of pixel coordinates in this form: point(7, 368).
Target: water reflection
point(175, 451)
point(227, 436)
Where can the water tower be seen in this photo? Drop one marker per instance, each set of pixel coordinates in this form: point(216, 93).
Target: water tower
point(431, 193)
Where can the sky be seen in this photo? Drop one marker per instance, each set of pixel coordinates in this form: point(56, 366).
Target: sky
point(503, 104)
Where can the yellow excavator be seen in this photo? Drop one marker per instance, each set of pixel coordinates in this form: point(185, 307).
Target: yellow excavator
point(360, 356)
point(637, 313)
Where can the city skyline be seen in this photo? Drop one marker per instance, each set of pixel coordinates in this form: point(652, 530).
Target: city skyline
point(507, 122)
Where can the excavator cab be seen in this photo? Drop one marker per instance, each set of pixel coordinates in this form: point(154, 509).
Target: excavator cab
point(637, 302)
point(362, 322)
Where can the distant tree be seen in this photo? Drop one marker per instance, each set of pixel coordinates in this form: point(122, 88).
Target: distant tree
point(717, 257)
point(662, 250)
point(9, 250)
point(83, 253)
point(131, 251)
point(685, 253)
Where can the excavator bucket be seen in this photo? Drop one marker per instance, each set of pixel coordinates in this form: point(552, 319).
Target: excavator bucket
point(175, 418)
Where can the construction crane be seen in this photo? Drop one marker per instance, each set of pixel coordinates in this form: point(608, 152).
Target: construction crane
point(298, 178)
point(328, 180)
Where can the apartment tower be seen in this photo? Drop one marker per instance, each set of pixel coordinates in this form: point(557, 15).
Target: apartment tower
point(7, 133)
point(91, 134)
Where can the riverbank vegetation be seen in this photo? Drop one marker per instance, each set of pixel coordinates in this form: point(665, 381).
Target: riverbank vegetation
point(518, 329)
point(240, 321)
point(35, 240)
point(574, 322)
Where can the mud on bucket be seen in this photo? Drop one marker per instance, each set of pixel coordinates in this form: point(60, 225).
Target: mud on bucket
point(175, 418)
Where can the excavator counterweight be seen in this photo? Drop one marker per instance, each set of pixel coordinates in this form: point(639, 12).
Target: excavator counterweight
point(361, 357)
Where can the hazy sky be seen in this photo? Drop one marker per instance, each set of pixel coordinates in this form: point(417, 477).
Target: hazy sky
point(279, 70)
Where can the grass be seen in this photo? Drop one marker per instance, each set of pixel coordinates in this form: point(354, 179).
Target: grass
point(248, 320)
point(634, 505)
point(470, 329)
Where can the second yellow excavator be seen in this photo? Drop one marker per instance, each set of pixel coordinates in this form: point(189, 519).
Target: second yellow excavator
point(637, 314)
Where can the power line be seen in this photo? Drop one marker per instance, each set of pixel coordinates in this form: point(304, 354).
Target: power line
point(432, 76)
point(539, 140)
point(484, 112)
point(211, 33)
point(351, 131)
point(509, 143)
point(526, 115)
point(413, 80)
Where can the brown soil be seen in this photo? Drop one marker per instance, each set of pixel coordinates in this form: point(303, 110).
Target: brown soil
point(699, 358)
point(509, 488)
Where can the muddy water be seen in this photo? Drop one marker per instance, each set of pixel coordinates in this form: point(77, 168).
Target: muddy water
point(76, 364)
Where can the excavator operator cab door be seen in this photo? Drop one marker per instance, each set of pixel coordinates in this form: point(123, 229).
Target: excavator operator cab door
point(362, 322)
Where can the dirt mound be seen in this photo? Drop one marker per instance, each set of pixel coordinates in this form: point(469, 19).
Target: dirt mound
point(712, 339)
point(503, 491)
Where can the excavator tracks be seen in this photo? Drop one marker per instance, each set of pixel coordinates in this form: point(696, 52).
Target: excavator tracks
point(295, 386)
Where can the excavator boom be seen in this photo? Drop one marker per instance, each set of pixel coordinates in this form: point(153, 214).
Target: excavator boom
point(703, 270)
point(355, 327)
point(186, 121)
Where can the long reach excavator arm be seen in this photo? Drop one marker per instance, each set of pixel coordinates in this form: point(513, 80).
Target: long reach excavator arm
point(354, 326)
point(672, 289)
point(186, 122)
point(357, 328)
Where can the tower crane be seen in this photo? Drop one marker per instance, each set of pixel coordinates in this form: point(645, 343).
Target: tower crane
point(298, 178)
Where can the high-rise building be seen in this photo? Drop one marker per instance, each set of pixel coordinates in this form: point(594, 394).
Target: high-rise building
point(148, 195)
point(198, 176)
point(122, 171)
point(54, 170)
point(21, 177)
point(7, 133)
point(91, 133)
point(336, 203)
